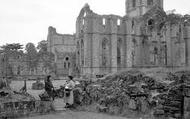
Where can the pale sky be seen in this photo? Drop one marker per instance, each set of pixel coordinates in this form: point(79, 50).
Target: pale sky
point(23, 21)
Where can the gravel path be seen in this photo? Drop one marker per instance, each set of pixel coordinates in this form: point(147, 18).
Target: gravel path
point(74, 115)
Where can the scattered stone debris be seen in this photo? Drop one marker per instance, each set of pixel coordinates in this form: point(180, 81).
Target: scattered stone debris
point(138, 92)
point(38, 85)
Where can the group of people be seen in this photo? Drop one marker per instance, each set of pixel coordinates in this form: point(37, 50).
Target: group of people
point(68, 92)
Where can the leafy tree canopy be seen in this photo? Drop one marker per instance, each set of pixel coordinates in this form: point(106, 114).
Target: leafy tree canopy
point(31, 55)
point(13, 47)
point(42, 46)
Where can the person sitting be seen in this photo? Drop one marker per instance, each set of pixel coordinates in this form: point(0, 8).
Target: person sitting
point(68, 95)
point(3, 83)
point(49, 87)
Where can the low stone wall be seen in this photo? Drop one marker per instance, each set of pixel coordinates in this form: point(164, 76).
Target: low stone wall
point(187, 108)
point(24, 108)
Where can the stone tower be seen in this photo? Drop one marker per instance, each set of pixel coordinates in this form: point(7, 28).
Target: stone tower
point(136, 8)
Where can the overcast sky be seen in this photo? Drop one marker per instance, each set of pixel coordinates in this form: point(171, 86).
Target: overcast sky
point(23, 21)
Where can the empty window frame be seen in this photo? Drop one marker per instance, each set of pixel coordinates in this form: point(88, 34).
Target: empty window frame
point(134, 3)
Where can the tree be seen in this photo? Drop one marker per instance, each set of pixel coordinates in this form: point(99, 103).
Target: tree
point(31, 56)
point(7, 51)
point(42, 46)
point(12, 47)
point(47, 58)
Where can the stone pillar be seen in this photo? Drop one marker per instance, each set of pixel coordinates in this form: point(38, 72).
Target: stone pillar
point(187, 41)
point(169, 46)
point(87, 54)
point(96, 53)
point(114, 53)
point(113, 38)
point(128, 44)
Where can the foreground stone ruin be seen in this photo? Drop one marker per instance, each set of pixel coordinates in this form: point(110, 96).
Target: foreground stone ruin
point(17, 104)
point(137, 93)
point(130, 93)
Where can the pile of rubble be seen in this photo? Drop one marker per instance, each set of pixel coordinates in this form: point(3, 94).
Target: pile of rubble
point(136, 91)
point(172, 102)
point(38, 85)
point(14, 103)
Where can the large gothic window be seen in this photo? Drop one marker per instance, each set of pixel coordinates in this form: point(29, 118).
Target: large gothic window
point(82, 52)
point(134, 43)
point(119, 52)
point(154, 57)
point(67, 63)
point(134, 3)
point(118, 56)
point(164, 54)
point(18, 70)
point(149, 2)
point(105, 52)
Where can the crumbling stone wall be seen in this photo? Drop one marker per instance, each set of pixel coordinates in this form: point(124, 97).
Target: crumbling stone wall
point(94, 30)
point(145, 37)
point(150, 39)
point(63, 46)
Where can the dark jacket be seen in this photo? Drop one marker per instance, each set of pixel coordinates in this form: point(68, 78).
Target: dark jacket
point(48, 87)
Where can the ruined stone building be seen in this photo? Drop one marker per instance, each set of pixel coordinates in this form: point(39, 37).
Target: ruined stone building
point(64, 48)
point(145, 37)
point(15, 64)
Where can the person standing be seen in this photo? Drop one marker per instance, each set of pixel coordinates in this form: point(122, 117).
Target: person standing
point(24, 88)
point(69, 86)
point(3, 83)
point(49, 87)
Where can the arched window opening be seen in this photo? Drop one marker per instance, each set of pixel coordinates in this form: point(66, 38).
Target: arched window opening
point(118, 22)
point(149, 2)
point(132, 24)
point(85, 14)
point(67, 59)
point(18, 70)
point(82, 52)
point(103, 21)
point(118, 56)
point(82, 43)
point(134, 3)
point(82, 62)
point(78, 45)
point(119, 52)
point(83, 21)
point(134, 42)
point(105, 52)
point(150, 22)
point(154, 55)
point(155, 50)
point(65, 65)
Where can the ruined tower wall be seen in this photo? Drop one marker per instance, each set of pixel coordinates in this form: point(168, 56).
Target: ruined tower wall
point(95, 29)
point(187, 42)
point(63, 46)
point(140, 7)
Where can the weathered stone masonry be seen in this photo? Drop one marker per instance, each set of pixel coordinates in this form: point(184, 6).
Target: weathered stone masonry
point(145, 37)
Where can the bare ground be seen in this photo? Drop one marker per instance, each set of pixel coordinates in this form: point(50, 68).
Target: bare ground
point(75, 115)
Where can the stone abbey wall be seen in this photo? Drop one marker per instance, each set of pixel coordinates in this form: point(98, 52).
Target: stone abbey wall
point(145, 37)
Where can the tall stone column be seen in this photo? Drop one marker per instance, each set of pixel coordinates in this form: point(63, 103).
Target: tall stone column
point(114, 53)
point(187, 41)
point(96, 53)
point(169, 46)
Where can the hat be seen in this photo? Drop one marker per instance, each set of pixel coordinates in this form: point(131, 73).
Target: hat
point(70, 77)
